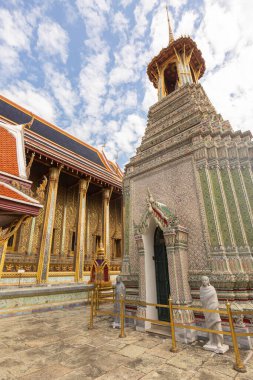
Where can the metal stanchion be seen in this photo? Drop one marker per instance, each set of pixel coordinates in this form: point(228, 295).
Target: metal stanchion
point(122, 317)
point(239, 365)
point(173, 336)
point(91, 310)
point(95, 301)
point(97, 297)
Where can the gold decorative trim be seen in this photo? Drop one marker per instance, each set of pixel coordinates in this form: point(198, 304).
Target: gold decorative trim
point(59, 274)
point(18, 275)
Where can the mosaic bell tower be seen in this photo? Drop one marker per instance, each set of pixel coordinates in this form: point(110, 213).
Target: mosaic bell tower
point(191, 181)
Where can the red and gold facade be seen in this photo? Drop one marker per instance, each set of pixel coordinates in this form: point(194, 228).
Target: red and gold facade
point(81, 194)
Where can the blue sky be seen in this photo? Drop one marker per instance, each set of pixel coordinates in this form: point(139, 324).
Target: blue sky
point(81, 64)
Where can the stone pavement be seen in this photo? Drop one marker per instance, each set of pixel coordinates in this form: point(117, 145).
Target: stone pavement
point(58, 345)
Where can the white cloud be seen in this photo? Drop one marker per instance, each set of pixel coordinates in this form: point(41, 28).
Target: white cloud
point(124, 140)
point(122, 102)
point(234, 93)
point(15, 31)
point(33, 99)
point(125, 3)
point(10, 63)
point(94, 14)
point(142, 9)
point(177, 4)
point(150, 95)
point(62, 89)
point(53, 40)
point(186, 25)
point(120, 22)
point(159, 31)
point(93, 83)
point(120, 75)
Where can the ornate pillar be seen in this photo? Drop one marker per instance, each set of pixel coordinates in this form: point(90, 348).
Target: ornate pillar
point(141, 310)
point(48, 225)
point(170, 238)
point(30, 241)
point(176, 241)
point(125, 269)
point(106, 221)
point(81, 229)
point(3, 248)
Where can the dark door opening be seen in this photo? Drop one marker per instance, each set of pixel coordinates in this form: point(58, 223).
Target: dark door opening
point(162, 274)
point(171, 77)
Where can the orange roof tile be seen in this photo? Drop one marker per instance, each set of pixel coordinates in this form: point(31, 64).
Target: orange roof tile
point(8, 153)
point(7, 192)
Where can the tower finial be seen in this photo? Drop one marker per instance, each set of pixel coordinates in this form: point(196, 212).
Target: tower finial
point(171, 36)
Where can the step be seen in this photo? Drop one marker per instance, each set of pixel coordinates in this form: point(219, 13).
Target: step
point(159, 330)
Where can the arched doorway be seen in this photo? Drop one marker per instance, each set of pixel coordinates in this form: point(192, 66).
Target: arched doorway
point(162, 274)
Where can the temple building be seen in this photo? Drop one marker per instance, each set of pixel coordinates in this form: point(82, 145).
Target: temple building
point(188, 195)
point(81, 194)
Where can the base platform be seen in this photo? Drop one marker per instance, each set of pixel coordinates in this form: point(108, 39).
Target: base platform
point(25, 300)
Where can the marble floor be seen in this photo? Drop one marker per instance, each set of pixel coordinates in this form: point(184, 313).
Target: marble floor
point(58, 345)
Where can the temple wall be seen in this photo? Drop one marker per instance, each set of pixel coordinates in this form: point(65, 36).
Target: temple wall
point(194, 163)
point(174, 186)
point(26, 247)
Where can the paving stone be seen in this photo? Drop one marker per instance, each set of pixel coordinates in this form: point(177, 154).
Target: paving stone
point(205, 374)
point(47, 373)
point(87, 372)
point(220, 363)
point(166, 372)
point(146, 363)
point(132, 351)
point(163, 351)
point(63, 348)
point(122, 373)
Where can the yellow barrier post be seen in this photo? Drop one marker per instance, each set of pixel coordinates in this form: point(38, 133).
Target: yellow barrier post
point(239, 365)
point(91, 310)
point(97, 298)
point(122, 317)
point(173, 336)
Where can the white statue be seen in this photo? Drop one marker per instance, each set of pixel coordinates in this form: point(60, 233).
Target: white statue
point(209, 300)
point(120, 291)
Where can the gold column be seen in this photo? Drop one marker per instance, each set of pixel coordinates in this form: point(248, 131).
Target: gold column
point(122, 215)
point(48, 225)
point(3, 248)
point(81, 228)
point(106, 221)
point(30, 242)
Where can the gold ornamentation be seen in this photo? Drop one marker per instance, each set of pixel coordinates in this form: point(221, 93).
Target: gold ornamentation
point(28, 168)
point(40, 192)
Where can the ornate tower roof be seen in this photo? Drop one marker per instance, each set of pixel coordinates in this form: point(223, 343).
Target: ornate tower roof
point(179, 63)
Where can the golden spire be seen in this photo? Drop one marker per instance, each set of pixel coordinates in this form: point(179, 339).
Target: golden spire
point(171, 36)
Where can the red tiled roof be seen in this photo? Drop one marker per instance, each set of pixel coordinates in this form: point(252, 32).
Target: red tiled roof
point(7, 192)
point(8, 153)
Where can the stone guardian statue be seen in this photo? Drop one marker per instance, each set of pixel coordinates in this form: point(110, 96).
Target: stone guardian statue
point(209, 300)
point(120, 291)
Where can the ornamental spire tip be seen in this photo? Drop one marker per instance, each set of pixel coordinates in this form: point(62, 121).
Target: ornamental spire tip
point(171, 36)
